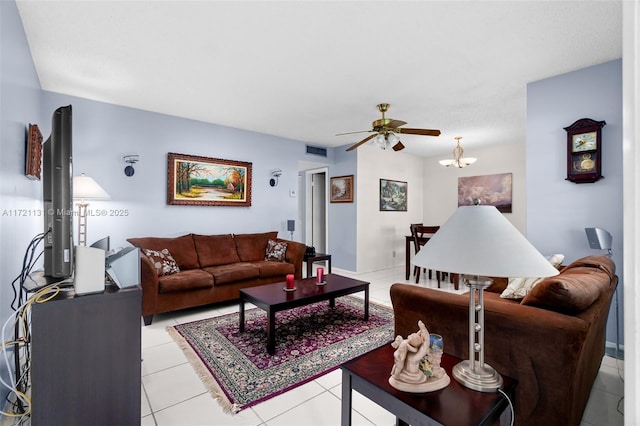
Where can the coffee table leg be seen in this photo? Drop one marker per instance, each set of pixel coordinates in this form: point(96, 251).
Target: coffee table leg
point(271, 332)
point(345, 415)
point(366, 303)
point(241, 315)
point(332, 302)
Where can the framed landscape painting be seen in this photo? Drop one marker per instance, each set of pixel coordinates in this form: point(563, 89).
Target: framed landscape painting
point(203, 181)
point(393, 195)
point(491, 190)
point(341, 189)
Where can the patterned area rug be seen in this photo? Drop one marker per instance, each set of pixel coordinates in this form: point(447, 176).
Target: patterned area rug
point(310, 341)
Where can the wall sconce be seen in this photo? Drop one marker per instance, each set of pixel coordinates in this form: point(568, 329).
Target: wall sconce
point(130, 160)
point(276, 174)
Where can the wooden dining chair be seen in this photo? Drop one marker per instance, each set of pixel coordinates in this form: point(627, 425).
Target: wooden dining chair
point(421, 235)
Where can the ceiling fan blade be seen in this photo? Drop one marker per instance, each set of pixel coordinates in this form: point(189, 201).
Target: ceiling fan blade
point(398, 147)
point(352, 147)
point(423, 132)
point(351, 133)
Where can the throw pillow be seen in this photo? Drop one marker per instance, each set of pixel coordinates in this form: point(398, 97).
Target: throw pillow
point(162, 260)
point(518, 288)
point(276, 251)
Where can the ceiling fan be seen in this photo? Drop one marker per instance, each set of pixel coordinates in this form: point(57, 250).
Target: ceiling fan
point(386, 130)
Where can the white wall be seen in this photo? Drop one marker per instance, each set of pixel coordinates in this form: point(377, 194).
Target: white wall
point(441, 183)
point(381, 234)
point(631, 155)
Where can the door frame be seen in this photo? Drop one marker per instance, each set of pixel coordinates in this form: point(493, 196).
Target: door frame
point(308, 210)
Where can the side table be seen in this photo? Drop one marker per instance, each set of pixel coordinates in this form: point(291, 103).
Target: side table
point(454, 405)
point(318, 257)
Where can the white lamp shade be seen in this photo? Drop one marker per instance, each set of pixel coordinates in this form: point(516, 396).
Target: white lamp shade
point(479, 240)
point(85, 188)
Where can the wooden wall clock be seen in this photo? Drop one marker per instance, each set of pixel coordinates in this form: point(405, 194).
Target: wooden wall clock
point(584, 151)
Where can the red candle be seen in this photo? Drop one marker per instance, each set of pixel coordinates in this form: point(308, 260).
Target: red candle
point(290, 281)
point(320, 272)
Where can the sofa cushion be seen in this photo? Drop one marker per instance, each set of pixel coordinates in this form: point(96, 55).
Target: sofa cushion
point(186, 280)
point(571, 292)
point(270, 269)
point(225, 274)
point(182, 249)
point(602, 262)
point(215, 250)
point(276, 251)
point(162, 261)
point(253, 246)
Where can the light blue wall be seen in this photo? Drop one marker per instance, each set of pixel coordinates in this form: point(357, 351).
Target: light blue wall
point(342, 216)
point(20, 198)
point(104, 133)
point(559, 210)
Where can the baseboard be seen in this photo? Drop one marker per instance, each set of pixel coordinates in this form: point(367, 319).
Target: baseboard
point(611, 350)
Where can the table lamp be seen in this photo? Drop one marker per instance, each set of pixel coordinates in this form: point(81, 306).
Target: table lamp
point(478, 242)
point(85, 188)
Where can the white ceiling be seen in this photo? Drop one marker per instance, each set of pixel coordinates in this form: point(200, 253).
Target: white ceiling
point(307, 70)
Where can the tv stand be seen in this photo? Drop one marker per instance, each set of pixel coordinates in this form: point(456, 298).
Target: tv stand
point(86, 358)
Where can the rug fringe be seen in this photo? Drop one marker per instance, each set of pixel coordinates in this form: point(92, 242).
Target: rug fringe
point(204, 374)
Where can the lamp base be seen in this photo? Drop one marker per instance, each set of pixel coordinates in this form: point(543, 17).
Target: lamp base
point(482, 378)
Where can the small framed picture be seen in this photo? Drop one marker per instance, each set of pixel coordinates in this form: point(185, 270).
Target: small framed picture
point(393, 195)
point(341, 189)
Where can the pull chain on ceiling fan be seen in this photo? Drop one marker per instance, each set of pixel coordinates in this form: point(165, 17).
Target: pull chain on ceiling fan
point(386, 130)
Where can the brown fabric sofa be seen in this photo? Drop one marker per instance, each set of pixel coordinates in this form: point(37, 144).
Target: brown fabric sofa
point(212, 269)
point(552, 341)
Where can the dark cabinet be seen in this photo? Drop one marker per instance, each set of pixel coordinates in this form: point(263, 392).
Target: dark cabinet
point(86, 359)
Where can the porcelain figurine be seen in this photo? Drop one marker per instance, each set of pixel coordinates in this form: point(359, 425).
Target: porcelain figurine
point(416, 367)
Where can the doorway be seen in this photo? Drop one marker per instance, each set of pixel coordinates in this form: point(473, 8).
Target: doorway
point(316, 227)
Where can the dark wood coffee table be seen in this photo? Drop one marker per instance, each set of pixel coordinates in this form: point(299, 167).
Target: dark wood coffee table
point(454, 405)
point(272, 298)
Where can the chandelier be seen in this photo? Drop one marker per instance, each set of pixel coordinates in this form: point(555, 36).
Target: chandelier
point(458, 160)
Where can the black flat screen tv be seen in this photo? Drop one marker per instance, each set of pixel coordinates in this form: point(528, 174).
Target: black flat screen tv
point(57, 196)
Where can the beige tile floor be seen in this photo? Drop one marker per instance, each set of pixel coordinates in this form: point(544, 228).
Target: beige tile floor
point(172, 394)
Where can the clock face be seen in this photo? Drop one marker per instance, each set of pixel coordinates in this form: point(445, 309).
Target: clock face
point(584, 142)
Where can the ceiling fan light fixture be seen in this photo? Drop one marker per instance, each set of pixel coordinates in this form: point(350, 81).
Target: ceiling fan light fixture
point(458, 161)
point(392, 138)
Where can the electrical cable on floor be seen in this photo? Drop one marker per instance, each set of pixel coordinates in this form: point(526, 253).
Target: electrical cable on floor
point(513, 413)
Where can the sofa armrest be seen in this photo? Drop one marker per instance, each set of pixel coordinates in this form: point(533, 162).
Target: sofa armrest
point(150, 285)
point(295, 255)
point(543, 350)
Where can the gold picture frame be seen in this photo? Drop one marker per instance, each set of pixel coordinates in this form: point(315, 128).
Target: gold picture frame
point(341, 189)
point(203, 181)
